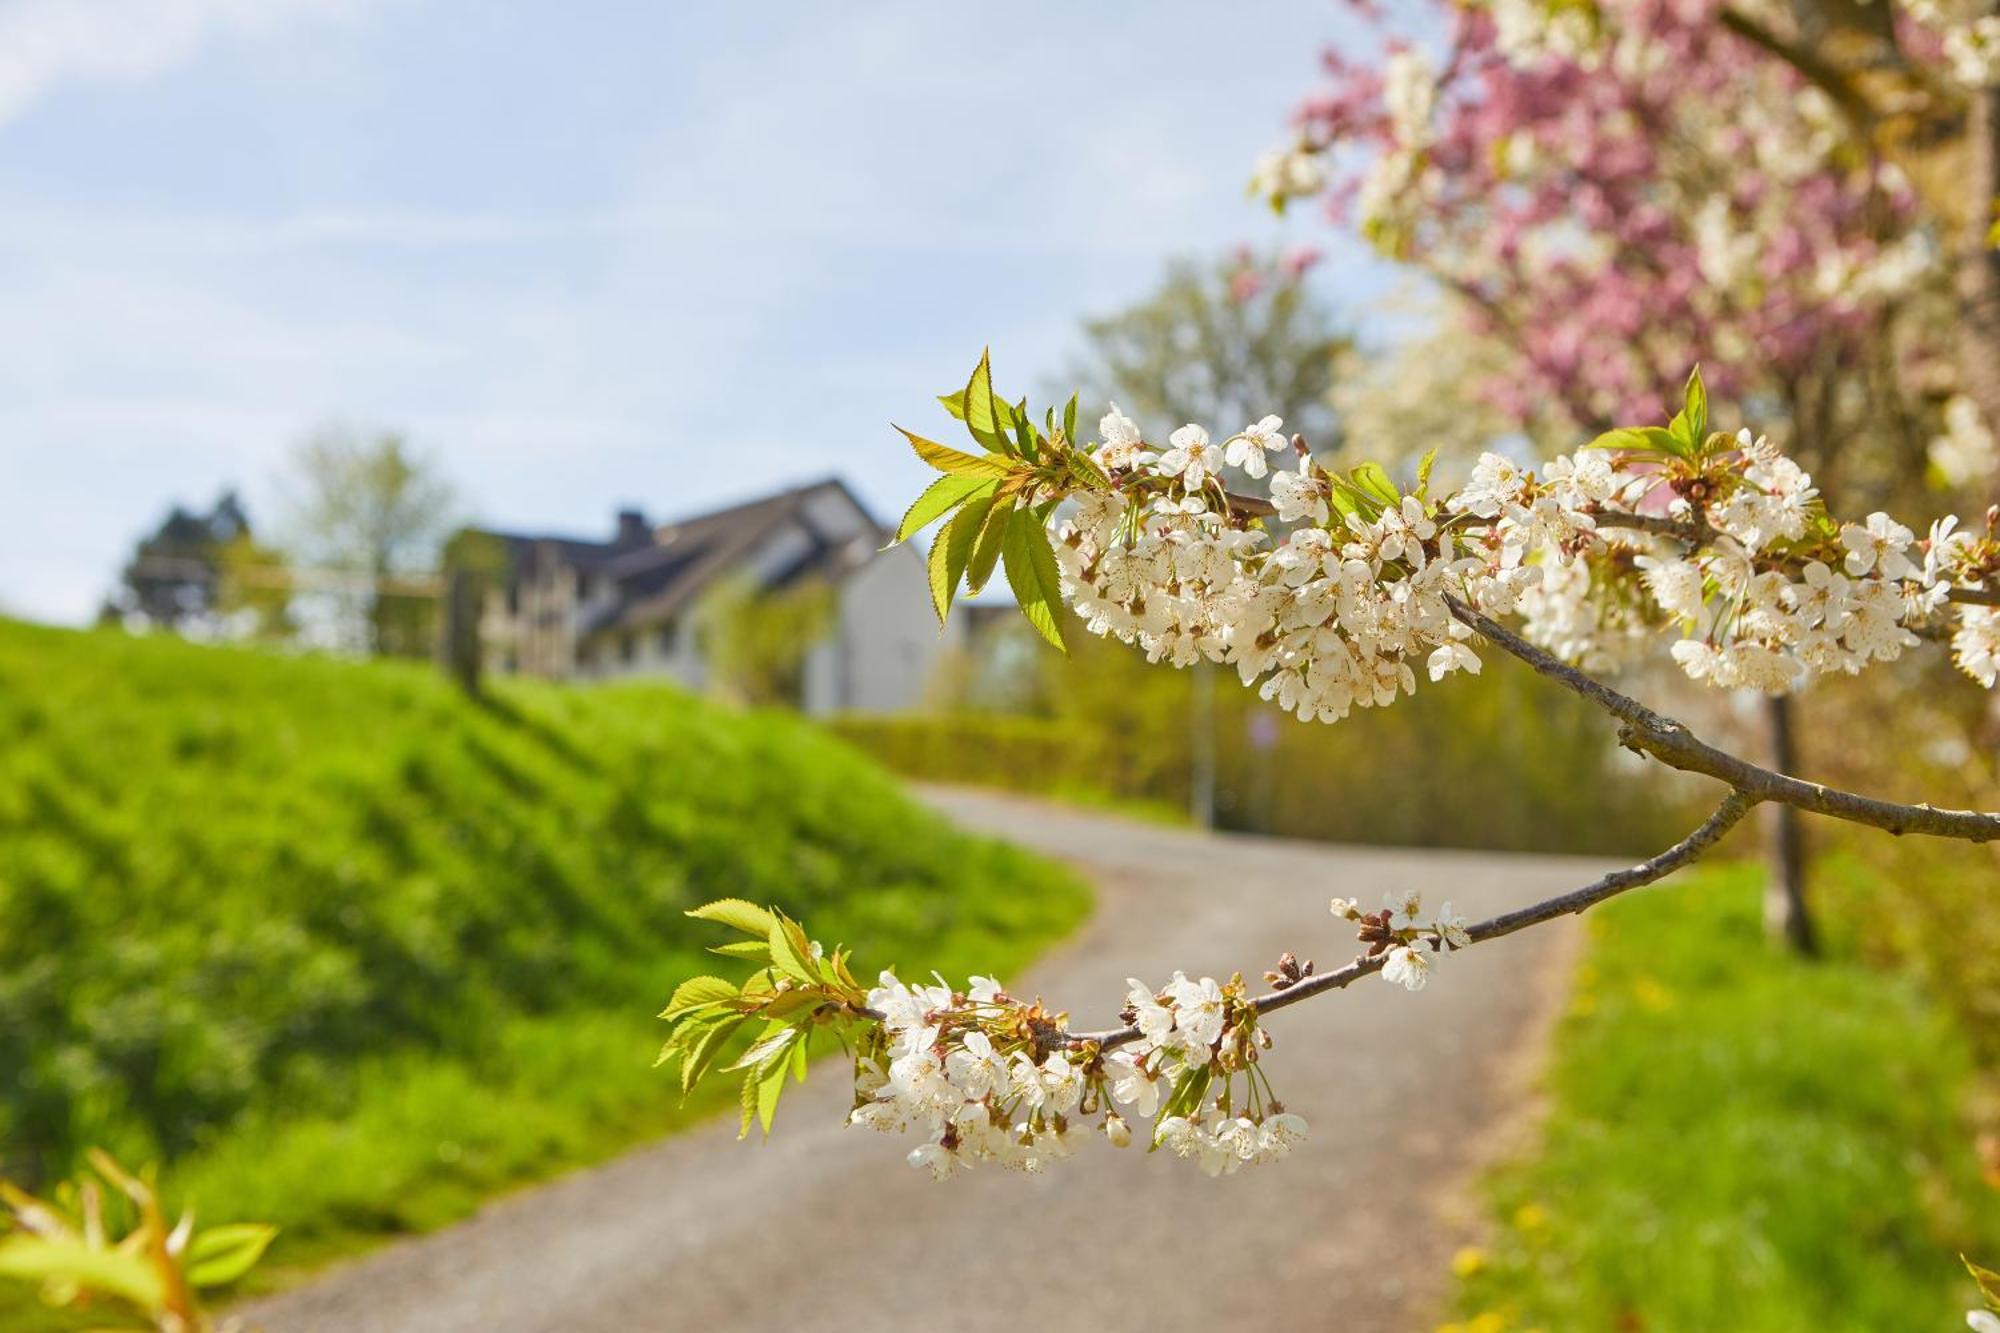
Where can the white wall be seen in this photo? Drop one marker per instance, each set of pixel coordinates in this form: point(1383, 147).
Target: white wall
point(653, 657)
point(886, 645)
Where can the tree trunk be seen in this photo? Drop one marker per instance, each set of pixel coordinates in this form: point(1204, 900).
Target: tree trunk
point(1979, 262)
point(1787, 918)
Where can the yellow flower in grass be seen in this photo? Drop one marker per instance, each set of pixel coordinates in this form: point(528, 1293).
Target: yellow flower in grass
point(1530, 1217)
point(1652, 996)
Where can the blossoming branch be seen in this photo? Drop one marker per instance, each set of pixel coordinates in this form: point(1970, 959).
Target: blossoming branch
point(1334, 595)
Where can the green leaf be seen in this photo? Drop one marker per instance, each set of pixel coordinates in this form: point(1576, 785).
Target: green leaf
point(952, 461)
point(770, 1087)
point(757, 951)
point(759, 1056)
point(699, 1056)
point(1069, 420)
point(1638, 440)
point(1185, 1097)
point(986, 546)
point(736, 914)
point(220, 1255)
point(1375, 482)
point(799, 1060)
point(1988, 1280)
point(698, 993)
point(1424, 466)
point(70, 1260)
point(791, 952)
point(1690, 424)
point(982, 417)
point(1033, 574)
point(952, 551)
point(1024, 431)
point(1341, 496)
point(938, 499)
point(748, 1100)
point(1696, 405)
point(1084, 468)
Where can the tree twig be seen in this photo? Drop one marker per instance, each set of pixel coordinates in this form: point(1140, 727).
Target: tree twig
point(1674, 745)
point(1734, 806)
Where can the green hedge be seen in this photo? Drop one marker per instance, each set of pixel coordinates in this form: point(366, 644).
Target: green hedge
point(1504, 761)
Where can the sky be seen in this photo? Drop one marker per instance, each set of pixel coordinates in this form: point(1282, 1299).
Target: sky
point(585, 255)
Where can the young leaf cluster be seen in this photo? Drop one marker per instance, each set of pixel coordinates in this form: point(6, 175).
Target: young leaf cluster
point(69, 1248)
point(995, 504)
point(1686, 437)
point(797, 989)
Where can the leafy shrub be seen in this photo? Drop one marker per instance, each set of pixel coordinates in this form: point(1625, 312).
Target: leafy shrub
point(239, 892)
point(1506, 762)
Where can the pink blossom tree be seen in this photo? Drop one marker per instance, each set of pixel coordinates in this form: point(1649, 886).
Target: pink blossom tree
point(1616, 191)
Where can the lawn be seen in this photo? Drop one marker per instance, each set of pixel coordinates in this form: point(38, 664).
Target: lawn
point(1738, 1140)
point(347, 951)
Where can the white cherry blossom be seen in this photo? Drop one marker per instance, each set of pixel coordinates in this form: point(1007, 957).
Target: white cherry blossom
point(1191, 457)
point(1247, 448)
point(1407, 967)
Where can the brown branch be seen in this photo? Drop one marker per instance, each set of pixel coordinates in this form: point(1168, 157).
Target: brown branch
point(1646, 732)
point(1733, 808)
point(1250, 506)
point(1820, 73)
point(1674, 745)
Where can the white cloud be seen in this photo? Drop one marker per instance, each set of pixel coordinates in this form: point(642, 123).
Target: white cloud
point(43, 42)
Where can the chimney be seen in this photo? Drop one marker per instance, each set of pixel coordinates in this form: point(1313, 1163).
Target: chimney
point(633, 531)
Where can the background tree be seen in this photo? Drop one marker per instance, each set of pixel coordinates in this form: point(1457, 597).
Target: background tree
point(1222, 341)
point(374, 510)
point(1616, 191)
point(174, 578)
point(759, 639)
point(255, 595)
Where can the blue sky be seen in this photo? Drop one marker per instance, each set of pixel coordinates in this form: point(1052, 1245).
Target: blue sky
point(587, 253)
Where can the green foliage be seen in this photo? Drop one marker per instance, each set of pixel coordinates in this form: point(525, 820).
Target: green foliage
point(345, 949)
point(1739, 1139)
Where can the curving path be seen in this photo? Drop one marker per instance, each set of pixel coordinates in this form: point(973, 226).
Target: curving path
point(825, 1229)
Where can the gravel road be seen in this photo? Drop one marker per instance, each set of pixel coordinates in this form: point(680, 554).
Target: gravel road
point(825, 1228)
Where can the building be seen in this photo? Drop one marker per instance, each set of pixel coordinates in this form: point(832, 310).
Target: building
point(644, 602)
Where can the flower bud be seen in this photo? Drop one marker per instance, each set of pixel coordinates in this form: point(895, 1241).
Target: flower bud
point(1116, 1130)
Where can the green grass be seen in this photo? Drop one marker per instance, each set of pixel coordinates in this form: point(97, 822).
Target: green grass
point(1738, 1140)
point(348, 952)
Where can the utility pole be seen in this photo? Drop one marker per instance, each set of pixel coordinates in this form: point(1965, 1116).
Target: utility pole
point(1201, 745)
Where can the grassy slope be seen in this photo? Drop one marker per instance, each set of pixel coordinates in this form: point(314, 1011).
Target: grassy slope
point(1739, 1140)
point(347, 951)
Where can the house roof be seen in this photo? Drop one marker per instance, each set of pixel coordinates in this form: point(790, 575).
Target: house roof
point(656, 581)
